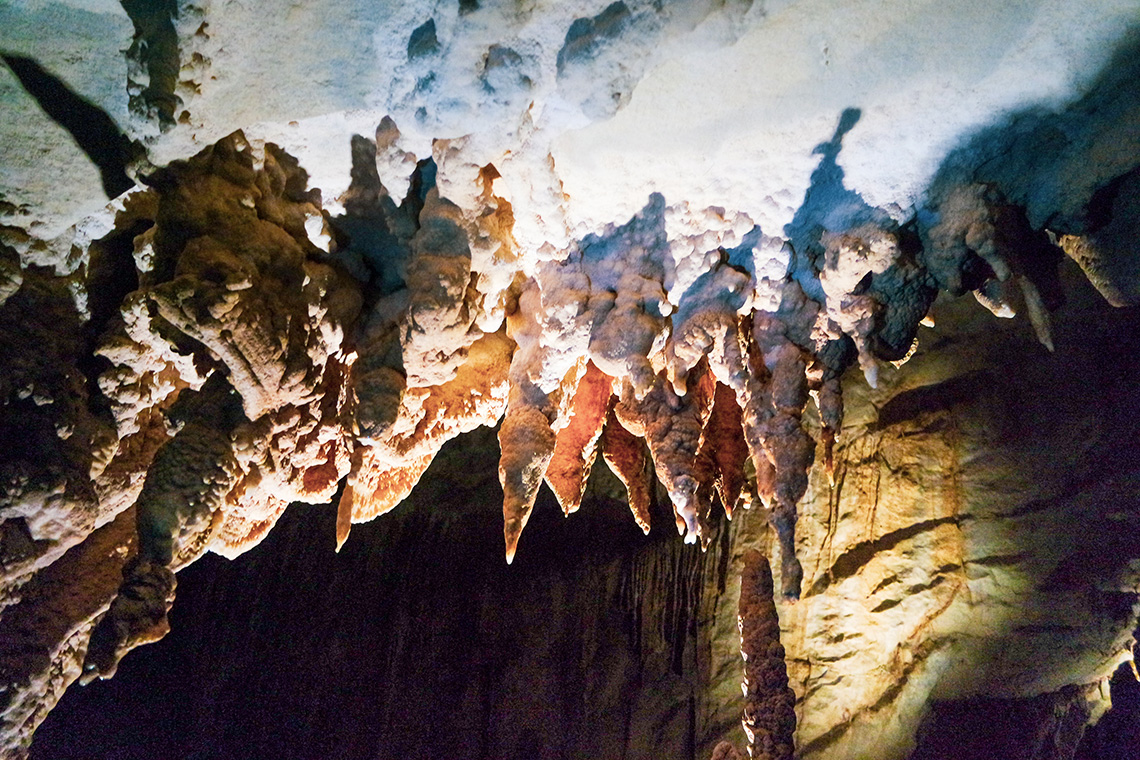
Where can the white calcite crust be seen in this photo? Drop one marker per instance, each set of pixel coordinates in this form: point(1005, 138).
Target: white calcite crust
point(657, 231)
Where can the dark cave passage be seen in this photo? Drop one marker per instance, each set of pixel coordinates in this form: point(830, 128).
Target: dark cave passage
point(417, 641)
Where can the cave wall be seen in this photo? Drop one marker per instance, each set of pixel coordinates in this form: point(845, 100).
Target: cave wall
point(978, 544)
point(240, 271)
point(978, 522)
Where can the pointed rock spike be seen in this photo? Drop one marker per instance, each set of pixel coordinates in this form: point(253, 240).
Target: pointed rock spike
point(512, 529)
point(723, 442)
point(672, 427)
point(343, 518)
point(625, 455)
point(527, 444)
point(1038, 314)
point(576, 444)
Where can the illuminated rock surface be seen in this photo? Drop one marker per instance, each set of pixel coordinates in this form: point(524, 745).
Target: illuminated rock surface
point(698, 239)
point(632, 641)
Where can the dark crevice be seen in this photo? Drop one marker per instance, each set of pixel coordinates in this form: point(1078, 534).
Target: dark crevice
point(888, 604)
point(111, 277)
point(932, 398)
point(1044, 727)
point(1099, 210)
point(155, 49)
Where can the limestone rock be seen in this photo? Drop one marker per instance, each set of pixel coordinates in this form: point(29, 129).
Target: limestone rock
point(769, 705)
point(265, 269)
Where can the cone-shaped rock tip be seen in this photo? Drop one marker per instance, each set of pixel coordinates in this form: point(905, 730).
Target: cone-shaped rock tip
point(512, 529)
point(343, 519)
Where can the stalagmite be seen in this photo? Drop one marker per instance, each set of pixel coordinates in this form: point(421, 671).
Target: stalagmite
point(769, 704)
point(726, 751)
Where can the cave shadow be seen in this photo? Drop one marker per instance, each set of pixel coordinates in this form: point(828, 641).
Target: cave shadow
point(96, 133)
point(1031, 155)
point(1061, 169)
point(646, 228)
point(828, 204)
point(375, 229)
point(155, 46)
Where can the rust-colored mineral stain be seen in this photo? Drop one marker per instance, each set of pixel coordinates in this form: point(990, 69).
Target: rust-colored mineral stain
point(576, 445)
point(625, 455)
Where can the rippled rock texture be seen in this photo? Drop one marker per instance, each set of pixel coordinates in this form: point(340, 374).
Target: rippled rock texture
point(994, 581)
point(740, 250)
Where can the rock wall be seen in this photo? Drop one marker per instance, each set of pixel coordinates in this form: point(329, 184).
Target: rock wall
point(976, 545)
point(315, 270)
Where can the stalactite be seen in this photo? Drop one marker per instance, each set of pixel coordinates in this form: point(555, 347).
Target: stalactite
point(627, 458)
point(264, 351)
point(671, 426)
point(723, 441)
point(576, 445)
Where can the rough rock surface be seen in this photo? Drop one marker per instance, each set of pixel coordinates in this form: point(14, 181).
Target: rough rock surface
point(307, 270)
point(594, 597)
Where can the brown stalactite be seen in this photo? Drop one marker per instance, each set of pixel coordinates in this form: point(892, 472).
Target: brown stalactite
point(785, 443)
point(671, 426)
point(244, 365)
point(723, 440)
point(627, 458)
point(137, 616)
point(528, 445)
point(576, 444)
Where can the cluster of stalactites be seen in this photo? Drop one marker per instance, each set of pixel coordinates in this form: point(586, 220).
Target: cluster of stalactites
point(601, 349)
point(984, 244)
point(228, 372)
point(697, 442)
point(272, 350)
point(700, 386)
point(695, 391)
point(433, 357)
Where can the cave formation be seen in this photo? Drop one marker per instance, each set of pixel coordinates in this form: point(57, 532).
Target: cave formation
point(441, 379)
